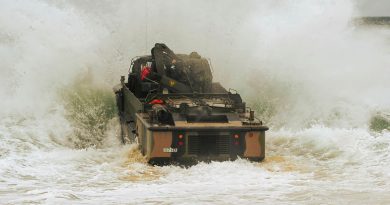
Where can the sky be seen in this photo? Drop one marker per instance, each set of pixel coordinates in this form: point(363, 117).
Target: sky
point(374, 7)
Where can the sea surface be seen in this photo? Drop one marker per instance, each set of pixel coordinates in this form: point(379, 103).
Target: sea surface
point(317, 76)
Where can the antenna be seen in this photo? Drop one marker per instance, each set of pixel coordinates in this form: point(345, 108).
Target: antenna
point(146, 26)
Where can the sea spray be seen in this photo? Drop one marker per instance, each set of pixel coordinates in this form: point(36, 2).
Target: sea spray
point(316, 78)
point(89, 107)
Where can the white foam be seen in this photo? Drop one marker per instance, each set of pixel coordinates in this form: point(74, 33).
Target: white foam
point(320, 77)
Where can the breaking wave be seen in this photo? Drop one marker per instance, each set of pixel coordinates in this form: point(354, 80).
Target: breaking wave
point(91, 110)
point(319, 80)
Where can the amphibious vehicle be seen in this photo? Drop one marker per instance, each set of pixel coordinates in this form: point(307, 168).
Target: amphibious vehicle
point(175, 112)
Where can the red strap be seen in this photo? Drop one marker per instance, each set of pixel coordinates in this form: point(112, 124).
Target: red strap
point(145, 72)
point(156, 101)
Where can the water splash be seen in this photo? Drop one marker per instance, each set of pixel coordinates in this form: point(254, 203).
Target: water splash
point(380, 122)
point(89, 107)
point(313, 76)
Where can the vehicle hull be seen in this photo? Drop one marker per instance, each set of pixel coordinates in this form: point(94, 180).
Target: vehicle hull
point(181, 144)
point(174, 110)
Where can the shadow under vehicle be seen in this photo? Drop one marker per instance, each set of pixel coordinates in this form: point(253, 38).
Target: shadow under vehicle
point(175, 112)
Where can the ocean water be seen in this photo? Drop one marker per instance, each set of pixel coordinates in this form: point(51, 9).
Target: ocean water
point(315, 76)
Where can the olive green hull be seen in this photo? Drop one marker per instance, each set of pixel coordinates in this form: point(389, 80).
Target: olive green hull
point(181, 144)
point(198, 141)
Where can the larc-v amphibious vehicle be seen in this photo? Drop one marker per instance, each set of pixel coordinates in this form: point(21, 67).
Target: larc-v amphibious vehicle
point(173, 110)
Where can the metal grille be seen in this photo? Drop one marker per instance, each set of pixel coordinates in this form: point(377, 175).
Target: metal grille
point(223, 144)
point(208, 144)
point(193, 144)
